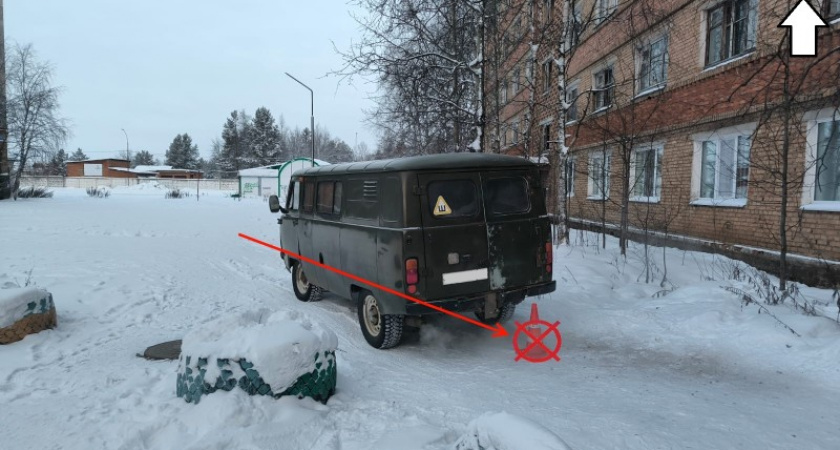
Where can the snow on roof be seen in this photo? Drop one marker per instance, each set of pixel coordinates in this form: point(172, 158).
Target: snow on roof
point(258, 172)
point(97, 160)
point(272, 170)
point(152, 168)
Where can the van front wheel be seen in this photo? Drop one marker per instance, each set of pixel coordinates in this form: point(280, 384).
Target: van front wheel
point(381, 330)
point(304, 290)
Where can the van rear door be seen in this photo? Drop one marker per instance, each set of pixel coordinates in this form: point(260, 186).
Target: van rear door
point(455, 237)
point(517, 228)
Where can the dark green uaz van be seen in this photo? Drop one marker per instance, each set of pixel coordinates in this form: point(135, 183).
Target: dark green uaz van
point(463, 231)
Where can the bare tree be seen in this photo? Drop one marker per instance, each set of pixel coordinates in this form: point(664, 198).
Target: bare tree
point(35, 126)
point(427, 56)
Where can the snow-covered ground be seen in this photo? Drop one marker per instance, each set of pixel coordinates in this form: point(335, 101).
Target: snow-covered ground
point(689, 369)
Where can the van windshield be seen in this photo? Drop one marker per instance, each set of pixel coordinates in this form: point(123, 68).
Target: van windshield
point(504, 196)
point(453, 198)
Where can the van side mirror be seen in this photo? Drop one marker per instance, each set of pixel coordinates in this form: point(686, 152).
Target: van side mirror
point(274, 205)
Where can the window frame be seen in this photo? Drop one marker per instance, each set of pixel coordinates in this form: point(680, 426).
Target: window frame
point(826, 10)
point(308, 203)
point(547, 69)
point(718, 136)
point(334, 207)
point(477, 196)
point(604, 10)
point(605, 167)
point(606, 90)
point(644, 59)
point(728, 30)
point(491, 212)
point(658, 150)
point(812, 121)
point(574, 86)
point(571, 168)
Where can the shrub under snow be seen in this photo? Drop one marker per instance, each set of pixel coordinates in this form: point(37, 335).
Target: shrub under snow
point(503, 431)
point(262, 353)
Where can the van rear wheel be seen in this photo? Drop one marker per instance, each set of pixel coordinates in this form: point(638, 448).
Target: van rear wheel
point(380, 330)
point(505, 313)
point(304, 290)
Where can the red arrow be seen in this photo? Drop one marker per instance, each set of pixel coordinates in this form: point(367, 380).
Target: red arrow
point(498, 330)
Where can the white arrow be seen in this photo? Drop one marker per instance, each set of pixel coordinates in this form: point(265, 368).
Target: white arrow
point(803, 21)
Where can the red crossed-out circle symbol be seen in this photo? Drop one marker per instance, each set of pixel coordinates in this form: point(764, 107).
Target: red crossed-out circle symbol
point(536, 351)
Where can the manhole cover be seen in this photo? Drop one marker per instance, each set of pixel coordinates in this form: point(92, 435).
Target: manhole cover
point(168, 350)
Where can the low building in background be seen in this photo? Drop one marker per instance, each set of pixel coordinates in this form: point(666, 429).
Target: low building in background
point(108, 168)
point(273, 179)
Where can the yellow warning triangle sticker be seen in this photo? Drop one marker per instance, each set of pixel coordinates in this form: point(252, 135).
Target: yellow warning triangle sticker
point(441, 207)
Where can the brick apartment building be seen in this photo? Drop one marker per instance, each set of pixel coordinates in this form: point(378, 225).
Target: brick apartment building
point(678, 109)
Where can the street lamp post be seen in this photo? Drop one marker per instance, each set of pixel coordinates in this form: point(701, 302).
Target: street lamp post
point(311, 115)
point(127, 152)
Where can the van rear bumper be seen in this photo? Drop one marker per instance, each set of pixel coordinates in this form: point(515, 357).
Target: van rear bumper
point(475, 302)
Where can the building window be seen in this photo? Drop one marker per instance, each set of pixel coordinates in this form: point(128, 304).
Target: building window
point(604, 88)
point(503, 94)
point(575, 29)
point(548, 5)
point(725, 167)
point(570, 177)
point(730, 30)
point(546, 137)
point(646, 166)
point(605, 8)
point(653, 64)
point(827, 183)
point(503, 132)
point(514, 83)
point(830, 9)
point(515, 127)
point(547, 76)
point(571, 99)
point(599, 175)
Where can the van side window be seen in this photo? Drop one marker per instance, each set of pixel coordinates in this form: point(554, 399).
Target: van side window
point(504, 196)
point(292, 202)
point(329, 197)
point(308, 196)
point(391, 200)
point(452, 199)
point(362, 199)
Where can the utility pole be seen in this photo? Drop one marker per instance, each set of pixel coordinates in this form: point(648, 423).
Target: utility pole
point(5, 170)
point(311, 116)
point(127, 151)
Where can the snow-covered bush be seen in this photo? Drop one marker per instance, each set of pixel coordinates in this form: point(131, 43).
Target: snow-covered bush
point(100, 191)
point(25, 311)
point(503, 431)
point(261, 353)
point(177, 193)
point(34, 192)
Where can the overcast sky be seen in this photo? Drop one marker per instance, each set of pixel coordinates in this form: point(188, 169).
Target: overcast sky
point(158, 68)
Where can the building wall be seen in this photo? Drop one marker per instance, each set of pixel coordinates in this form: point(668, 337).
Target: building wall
point(77, 169)
point(695, 99)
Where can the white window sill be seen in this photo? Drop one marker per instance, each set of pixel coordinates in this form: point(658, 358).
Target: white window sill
point(572, 122)
point(597, 198)
point(722, 203)
point(650, 90)
point(822, 206)
point(644, 199)
point(729, 61)
point(601, 109)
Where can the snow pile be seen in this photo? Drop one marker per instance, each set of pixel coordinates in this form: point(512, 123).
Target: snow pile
point(264, 351)
point(17, 303)
point(503, 431)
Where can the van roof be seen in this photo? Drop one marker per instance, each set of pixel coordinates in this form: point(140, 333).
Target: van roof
point(444, 161)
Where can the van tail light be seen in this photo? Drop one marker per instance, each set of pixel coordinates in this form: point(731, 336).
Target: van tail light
point(549, 257)
point(412, 275)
